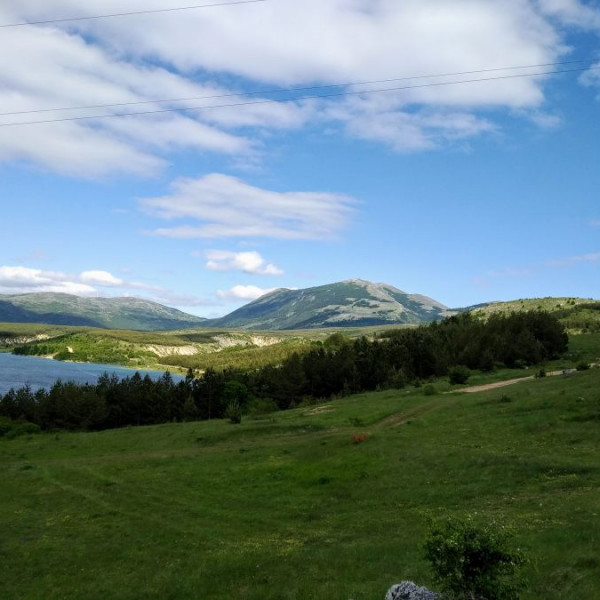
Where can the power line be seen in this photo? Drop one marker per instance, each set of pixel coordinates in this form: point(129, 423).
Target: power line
point(287, 90)
point(306, 97)
point(129, 14)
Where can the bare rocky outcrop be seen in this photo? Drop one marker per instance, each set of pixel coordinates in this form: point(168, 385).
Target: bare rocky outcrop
point(21, 340)
point(407, 590)
point(162, 351)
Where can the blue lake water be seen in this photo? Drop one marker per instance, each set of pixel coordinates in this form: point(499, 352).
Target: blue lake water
point(17, 371)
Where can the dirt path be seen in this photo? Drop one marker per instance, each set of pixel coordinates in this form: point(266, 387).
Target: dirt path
point(499, 384)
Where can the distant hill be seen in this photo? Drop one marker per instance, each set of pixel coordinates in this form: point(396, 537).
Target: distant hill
point(348, 303)
point(107, 313)
point(548, 304)
point(578, 315)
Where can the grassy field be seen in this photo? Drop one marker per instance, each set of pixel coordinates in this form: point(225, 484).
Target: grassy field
point(289, 508)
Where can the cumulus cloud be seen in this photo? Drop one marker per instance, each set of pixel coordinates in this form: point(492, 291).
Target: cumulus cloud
point(248, 262)
point(243, 292)
point(221, 206)
point(572, 12)
point(103, 278)
point(21, 280)
point(63, 69)
point(184, 55)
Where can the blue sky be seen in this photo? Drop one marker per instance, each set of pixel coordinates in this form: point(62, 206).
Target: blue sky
point(467, 193)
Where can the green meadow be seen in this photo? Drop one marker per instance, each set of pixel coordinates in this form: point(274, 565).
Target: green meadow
point(289, 507)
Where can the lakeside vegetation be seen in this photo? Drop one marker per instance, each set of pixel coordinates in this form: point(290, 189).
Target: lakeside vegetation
point(217, 348)
point(338, 367)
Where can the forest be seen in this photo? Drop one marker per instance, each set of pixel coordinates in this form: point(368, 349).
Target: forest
point(337, 367)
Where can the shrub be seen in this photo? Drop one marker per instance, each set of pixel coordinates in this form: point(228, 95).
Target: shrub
point(359, 438)
point(12, 429)
point(233, 412)
point(429, 390)
point(472, 562)
point(458, 374)
point(257, 407)
point(541, 373)
point(582, 366)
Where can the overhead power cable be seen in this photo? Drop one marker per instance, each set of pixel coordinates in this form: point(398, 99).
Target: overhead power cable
point(287, 90)
point(130, 14)
point(305, 97)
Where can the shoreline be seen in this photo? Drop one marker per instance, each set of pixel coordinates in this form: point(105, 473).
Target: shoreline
point(156, 369)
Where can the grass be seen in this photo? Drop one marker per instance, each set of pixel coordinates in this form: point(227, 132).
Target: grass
point(287, 507)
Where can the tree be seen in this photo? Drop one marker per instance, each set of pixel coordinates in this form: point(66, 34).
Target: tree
point(458, 374)
point(474, 562)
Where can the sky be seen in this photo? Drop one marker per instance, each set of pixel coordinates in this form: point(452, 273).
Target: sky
point(203, 157)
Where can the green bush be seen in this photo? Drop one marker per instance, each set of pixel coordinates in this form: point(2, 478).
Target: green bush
point(257, 407)
point(458, 374)
point(429, 390)
point(474, 562)
point(12, 429)
point(233, 412)
point(582, 366)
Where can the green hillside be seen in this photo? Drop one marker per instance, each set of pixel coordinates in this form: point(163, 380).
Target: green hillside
point(177, 350)
point(110, 313)
point(578, 315)
point(549, 304)
point(287, 507)
point(350, 303)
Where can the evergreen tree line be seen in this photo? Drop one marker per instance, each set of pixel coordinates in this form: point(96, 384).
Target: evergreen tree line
point(339, 366)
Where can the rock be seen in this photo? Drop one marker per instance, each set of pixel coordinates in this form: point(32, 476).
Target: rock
point(407, 590)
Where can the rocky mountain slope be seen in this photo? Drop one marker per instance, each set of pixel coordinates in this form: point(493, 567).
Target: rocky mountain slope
point(348, 303)
point(108, 313)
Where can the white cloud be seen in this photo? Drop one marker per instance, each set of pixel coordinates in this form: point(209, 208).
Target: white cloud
point(58, 69)
point(375, 119)
point(326, 42)
point(21, 280)
point(243, 292)
point(224, 206)
point(572, 12)
point(248, 262)
point(103, 278)
point(591, 77)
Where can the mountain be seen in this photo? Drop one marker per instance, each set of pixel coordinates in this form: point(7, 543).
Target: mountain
point(108, 313)
point(352, 303)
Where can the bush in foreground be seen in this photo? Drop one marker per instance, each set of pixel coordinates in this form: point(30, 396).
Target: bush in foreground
point(474, 562)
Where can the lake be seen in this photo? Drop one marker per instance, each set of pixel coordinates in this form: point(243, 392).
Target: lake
point(17, 371)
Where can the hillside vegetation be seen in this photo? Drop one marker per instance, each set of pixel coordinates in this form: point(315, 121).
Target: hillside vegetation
point(197, 349)
point(289, 506)
point(111, 313)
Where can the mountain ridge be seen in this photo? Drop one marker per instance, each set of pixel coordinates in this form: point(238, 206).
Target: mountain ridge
point(55, 308)
point(348, 303)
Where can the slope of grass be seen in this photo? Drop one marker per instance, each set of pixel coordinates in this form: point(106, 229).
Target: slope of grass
point(578, 315)
point(288, 508)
